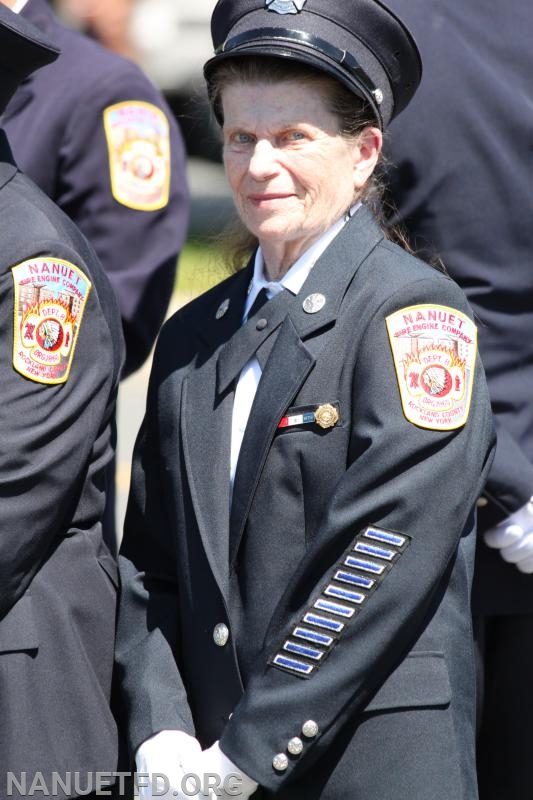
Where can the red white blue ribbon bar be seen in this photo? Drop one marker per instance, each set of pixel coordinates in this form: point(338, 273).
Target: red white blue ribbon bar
point(297, 419)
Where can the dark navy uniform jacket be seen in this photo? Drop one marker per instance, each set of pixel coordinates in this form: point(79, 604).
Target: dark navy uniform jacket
point(56, 128)
point(343, 572)
point(462, 183)
point(57, 579)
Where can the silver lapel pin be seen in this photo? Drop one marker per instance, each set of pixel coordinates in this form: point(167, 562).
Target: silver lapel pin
point(313, 303)
point(223, 307)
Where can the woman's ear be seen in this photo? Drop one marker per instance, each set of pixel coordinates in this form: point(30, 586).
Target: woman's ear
point(366, 153)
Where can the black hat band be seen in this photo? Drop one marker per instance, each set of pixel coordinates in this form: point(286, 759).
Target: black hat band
point(342, 57)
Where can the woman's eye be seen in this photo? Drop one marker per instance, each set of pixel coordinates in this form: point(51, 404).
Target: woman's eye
point(295, 136)
point(242, 138)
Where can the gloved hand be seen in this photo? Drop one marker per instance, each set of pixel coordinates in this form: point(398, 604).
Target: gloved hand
point(513, 537)
point(172, 754)
point(230, 777)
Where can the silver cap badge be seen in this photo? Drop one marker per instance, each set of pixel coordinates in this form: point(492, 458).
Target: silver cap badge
point(285, 6)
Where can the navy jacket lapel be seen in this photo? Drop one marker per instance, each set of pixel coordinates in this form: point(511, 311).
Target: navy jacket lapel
point(21, 98)
point(288, 366)
point(236, 352)
point(206, 431)
point(206, 425)
point(8, 167)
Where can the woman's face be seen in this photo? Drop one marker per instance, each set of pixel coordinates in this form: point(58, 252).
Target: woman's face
point(291, 173)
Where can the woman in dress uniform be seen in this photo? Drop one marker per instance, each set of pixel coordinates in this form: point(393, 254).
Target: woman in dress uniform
point(297, 558)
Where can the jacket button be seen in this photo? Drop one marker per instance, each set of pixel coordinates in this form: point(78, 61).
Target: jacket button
point(295, 746)
point(482, 502)
point(221, 634)
point(280, 762)
point(261, 324)
point(310, 729)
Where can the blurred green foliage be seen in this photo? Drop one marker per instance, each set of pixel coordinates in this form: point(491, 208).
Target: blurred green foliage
point(198, 270)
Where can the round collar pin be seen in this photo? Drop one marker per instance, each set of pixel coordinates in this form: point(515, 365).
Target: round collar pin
point(313, 303)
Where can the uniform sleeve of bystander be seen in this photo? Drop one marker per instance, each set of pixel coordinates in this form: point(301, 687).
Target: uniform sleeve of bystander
point(122, 180)
point(59, 365)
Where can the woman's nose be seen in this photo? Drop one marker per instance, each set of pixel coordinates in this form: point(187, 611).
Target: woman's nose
point(263, 163)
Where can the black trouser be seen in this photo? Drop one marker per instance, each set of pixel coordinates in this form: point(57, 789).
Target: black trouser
point(504, 646)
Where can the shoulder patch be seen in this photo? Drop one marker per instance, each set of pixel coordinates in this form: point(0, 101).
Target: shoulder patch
point(434, 350)
point(138, 144)
point(50, 297)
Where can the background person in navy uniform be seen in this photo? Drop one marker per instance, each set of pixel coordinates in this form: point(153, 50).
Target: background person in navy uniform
point(117, 170)
point(61, 351)
point(316, 639)
point(99, 139)
point(461, 181)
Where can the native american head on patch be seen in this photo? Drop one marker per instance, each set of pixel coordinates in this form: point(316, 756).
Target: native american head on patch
point(50, 297)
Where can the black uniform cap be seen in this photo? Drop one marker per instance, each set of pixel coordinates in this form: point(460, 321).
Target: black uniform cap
point(23, 49)
point(359, 42)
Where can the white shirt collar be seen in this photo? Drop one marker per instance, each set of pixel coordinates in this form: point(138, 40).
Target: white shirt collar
point(19, 5)
point(295, 277)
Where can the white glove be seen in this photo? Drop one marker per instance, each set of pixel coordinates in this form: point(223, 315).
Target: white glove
point(513, 537)
point(232, 782)
point(163, 760)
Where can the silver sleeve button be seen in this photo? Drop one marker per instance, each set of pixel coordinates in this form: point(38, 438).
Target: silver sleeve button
point(280, 762)
point(295, 746)
point(310, 729)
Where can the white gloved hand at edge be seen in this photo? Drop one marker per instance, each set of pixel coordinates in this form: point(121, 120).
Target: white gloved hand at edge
point(513, 537)
point(172, 754)
point(228, 775)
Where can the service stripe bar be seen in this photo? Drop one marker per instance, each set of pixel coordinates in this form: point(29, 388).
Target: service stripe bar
point(366, 566)
point(334, 608)
point(313, 636)
point(372, 550)
point(344, 594)
point(385, 536)
point(292, 664)
point(324, 622)
point(356, 580)
point(302, 650)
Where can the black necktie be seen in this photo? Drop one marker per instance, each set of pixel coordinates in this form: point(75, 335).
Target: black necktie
point(263, 351)
point(258, 303)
